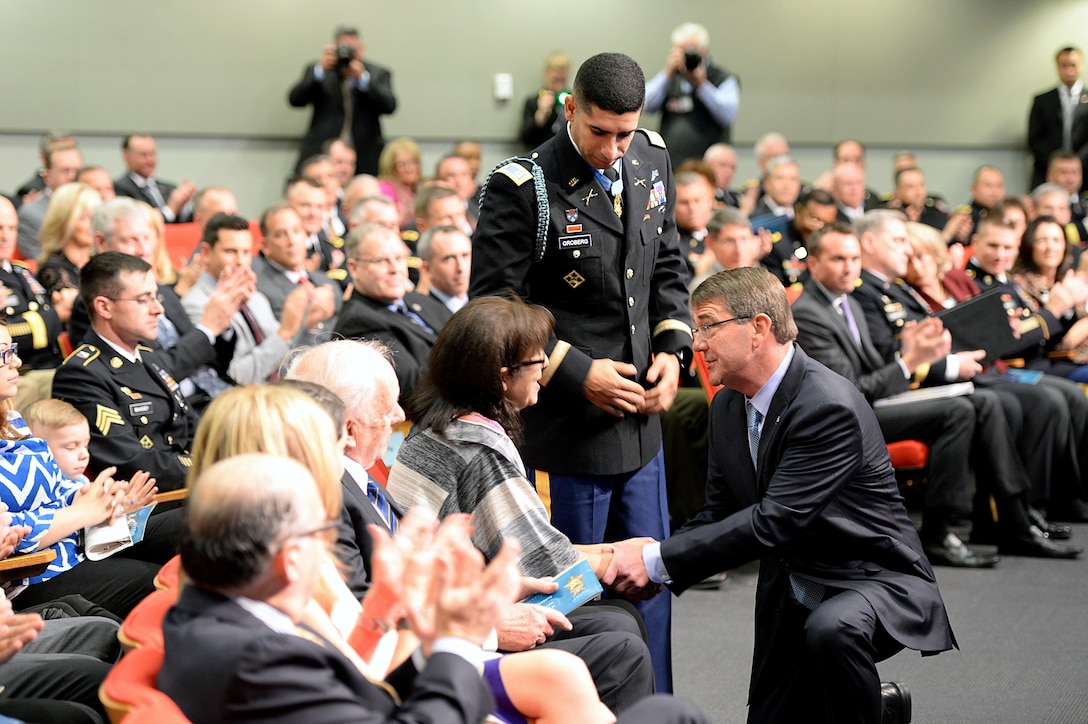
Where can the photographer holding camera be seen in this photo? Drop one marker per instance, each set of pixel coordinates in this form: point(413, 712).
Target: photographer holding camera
point(698, 101)
point(349, 96)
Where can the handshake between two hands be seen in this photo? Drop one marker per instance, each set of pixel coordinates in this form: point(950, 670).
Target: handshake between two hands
point(626, 572)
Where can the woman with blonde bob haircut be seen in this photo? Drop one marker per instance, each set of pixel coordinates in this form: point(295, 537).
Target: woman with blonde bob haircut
point(284, 420)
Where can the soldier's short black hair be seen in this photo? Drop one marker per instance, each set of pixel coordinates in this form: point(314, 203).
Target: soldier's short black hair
point(611, 81)
point(101, 275)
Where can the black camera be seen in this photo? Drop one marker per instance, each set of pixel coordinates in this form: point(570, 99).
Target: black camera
point(344, 55)
point(692, 59)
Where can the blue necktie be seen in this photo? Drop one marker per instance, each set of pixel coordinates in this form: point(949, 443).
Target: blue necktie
point(754, 418)
point(378, 499)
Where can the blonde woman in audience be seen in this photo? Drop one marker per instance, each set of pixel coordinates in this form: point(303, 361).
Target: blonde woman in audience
point(931, 270)
point(280, 419)
point(67, 243)
point(399, 175)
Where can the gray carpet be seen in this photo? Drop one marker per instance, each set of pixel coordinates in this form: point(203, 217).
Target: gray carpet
point(1022, 629)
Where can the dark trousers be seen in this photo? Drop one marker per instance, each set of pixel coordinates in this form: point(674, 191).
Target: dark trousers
point(821, 667)
point(593, 509)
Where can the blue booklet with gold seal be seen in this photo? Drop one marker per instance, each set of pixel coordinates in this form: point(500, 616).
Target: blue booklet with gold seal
point(577, 585)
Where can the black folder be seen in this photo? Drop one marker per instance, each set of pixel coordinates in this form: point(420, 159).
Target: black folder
point(982, 322)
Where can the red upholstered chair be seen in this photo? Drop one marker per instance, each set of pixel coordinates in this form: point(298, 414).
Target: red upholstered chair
point(169, 576)
point(379, 471)
point(130, 686)
point(143, 625)
point(181, 240)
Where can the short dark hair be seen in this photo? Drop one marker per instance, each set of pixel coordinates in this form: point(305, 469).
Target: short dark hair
point(230, 222)
point(909, 169)
point(820, 197)
point(835, 227)
point(1066, 49)
point(611, 81)
point(128, 139)
point(428, 195)
point(303, 181)
point(100, 276)
point(310, 161)
point(230, 546)
point(272, 211)
point(463, 371)
point(1062, 155)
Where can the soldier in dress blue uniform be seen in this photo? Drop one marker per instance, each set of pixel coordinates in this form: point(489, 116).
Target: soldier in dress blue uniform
point(602, 254)
point(138, 416)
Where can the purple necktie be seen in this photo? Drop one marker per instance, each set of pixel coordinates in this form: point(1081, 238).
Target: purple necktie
point(844, 308)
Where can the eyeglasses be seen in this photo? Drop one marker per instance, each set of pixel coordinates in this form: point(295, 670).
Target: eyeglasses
point(529, 363)
point(330, 526)
point(9, 354)
point(144, 301)
point(705, 328)
point(389, 261)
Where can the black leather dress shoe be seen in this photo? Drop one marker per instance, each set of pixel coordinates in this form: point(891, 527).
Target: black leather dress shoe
point(1037, 545)
point(953, 552)
point(895, 697)
point(1053, 532)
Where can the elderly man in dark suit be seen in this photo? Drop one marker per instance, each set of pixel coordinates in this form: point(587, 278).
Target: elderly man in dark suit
point(800, 480)
point(233, 651)
point(349, 96)
point(382, 309)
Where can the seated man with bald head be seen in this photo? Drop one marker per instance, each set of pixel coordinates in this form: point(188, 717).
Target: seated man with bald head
point(252, 547)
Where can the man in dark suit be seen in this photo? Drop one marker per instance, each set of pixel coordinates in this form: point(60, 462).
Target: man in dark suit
point(800, 480)
point(596, 243)
point(139, 418)
point(1059, 117)
point(445, 255)
point(283, 269)
point(380, 308)
point(722, 159)
point(841, 341)
point(233, 650)
point(349, 97)
point(141, 157)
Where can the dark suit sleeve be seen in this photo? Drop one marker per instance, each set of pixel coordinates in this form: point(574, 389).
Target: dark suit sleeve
point(409, 370)
point(306, 90)
point(820, 341)
point(378, 95)
point(821, 451)
point(354, 547)
point(1038, 131)
point(279, 680)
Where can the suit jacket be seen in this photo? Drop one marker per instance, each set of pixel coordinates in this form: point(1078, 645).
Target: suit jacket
point(1045, 130)
point(365, 318)
point(32, 321)
point(223, 664)
point(354, 544)
point(125, 186)
point(616, 287)
point(327, 121)
point(138, 417)
point(250, 361)
point(191, 351)
point(822, 503)
point(824, 335)
point(275, 286)
point(888, 305)
point(30, 222)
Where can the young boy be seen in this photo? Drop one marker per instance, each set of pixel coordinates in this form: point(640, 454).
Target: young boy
point(65, 430)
